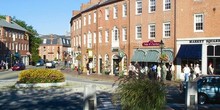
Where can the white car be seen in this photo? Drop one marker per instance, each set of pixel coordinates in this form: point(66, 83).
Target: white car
point(50, 64)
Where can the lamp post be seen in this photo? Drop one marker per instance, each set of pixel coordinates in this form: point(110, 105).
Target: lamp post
point(161, 49)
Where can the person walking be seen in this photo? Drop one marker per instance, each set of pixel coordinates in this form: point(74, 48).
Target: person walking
point(197, 71)
point(186, 71)
point(164, 72)
point(210, 69)
point(90, 67)
point(159, 72)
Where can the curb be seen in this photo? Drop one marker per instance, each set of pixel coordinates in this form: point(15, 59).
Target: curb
point(22, 85)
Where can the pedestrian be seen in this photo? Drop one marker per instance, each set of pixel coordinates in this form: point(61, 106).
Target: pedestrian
point(164, 72)
point(210, 69)
point(186, 71)
point(90, 67)
point(87, 68)
point(159, 72)
point(172, 71)
point(197, 71)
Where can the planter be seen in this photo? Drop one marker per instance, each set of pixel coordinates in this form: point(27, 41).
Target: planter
point(23, 85)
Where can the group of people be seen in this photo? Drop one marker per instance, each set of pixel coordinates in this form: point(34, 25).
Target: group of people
point(193, 71)
point(158, 71)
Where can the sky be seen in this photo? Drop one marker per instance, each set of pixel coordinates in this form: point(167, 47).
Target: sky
point(46, 16)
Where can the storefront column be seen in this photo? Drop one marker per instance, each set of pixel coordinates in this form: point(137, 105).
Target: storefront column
point(204, 59)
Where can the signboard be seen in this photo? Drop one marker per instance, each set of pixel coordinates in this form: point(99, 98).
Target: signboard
point(151, 43)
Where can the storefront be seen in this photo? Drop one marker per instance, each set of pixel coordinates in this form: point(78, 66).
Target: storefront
point(198, 51)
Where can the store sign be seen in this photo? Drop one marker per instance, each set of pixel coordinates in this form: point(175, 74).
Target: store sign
point(151, 43)
point(207, 41)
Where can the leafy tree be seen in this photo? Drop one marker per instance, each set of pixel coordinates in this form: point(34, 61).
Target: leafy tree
point(34, 41)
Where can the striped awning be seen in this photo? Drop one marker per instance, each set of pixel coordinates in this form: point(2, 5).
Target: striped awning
point(139, 56)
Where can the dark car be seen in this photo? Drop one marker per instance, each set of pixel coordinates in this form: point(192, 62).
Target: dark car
point(208, 88)
point(18, 66)
point(40, 63)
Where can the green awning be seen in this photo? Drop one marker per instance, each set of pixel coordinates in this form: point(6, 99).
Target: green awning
point(152, 56)
point(139, 56)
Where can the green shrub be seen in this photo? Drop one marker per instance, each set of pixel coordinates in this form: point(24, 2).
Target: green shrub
point(141, 94)
point(40, 76)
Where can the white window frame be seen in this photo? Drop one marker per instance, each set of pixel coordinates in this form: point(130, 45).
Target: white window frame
point(138, 7)
point(74, 26)
point(89, 19)
point(166, 30)
point(138, 32)
point(107, 13)
point(89, 44)
point(94, 37)
point(94, 17)
point(107, 36)
point(100, 36)
point(124, 34)
point(166, 5)
point(152, 5)
point(84, 18)
point(115, 34)
point(115, 12)
point(199, 19)
point(151, 30)
point(124, 10)
point(84, 38)
point(79, 23)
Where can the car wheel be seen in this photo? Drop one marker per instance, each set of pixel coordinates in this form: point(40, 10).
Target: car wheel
point(202, 99)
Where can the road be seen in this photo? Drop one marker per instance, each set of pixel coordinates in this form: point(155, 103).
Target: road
point(66, 98)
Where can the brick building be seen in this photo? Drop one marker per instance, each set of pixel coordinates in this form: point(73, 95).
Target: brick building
point(116, 32)
point(14, 42)
point(55, 47)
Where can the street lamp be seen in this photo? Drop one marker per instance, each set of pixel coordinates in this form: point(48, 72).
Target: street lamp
point(161, 49)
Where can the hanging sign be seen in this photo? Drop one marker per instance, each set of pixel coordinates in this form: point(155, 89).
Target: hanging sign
point(151, 43)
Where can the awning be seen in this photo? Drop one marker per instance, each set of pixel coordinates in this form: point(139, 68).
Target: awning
point(139, 56)
point(152, 56)
point(190, 51)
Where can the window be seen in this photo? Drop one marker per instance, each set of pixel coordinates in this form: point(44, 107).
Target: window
point(107, 36)
point(152, 6)
point(198, 22)
point(151, 31)
point(107, 14)
point(124, 34)
point(89, 19)
point(94, 17)
point(84, 20)
point(166, 29)
point(124, 10)
point(44, 41)
point(89, 44)
point(100, 36)
point(138, 6)
point(74, 26)
point(84, 42)
point(77, 24)
point(80, 23)
point(94, 37)
point(115, 34)
point(138, 32)
point(115, 12)
point(167, 5)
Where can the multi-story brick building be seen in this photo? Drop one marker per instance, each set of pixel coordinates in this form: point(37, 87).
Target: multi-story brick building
point(104, 29)
point(14, 42)
point(55, 47)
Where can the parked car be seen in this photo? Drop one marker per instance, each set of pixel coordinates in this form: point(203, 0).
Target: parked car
point(18, 66)
point(40, 63)
point(208, 88)
point(50, 64)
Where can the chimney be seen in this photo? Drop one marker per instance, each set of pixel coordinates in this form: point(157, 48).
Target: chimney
point(8, 19)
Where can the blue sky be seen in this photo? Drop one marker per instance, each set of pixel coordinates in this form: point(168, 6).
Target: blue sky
point(46, 16)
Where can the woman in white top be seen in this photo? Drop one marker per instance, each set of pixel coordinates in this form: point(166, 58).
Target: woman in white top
point(159, 72)
point(197, 70)
point(186, 71)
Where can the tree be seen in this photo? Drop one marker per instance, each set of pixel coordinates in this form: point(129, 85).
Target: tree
point(34, 41)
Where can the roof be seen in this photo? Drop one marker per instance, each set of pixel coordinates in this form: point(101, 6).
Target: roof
point(11, 25)
point(60, 40)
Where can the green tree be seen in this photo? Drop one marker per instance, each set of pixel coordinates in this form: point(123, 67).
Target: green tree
point(34, 41)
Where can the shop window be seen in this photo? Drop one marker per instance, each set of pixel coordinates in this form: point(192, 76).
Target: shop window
point(210, 50)
point(217, 50)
